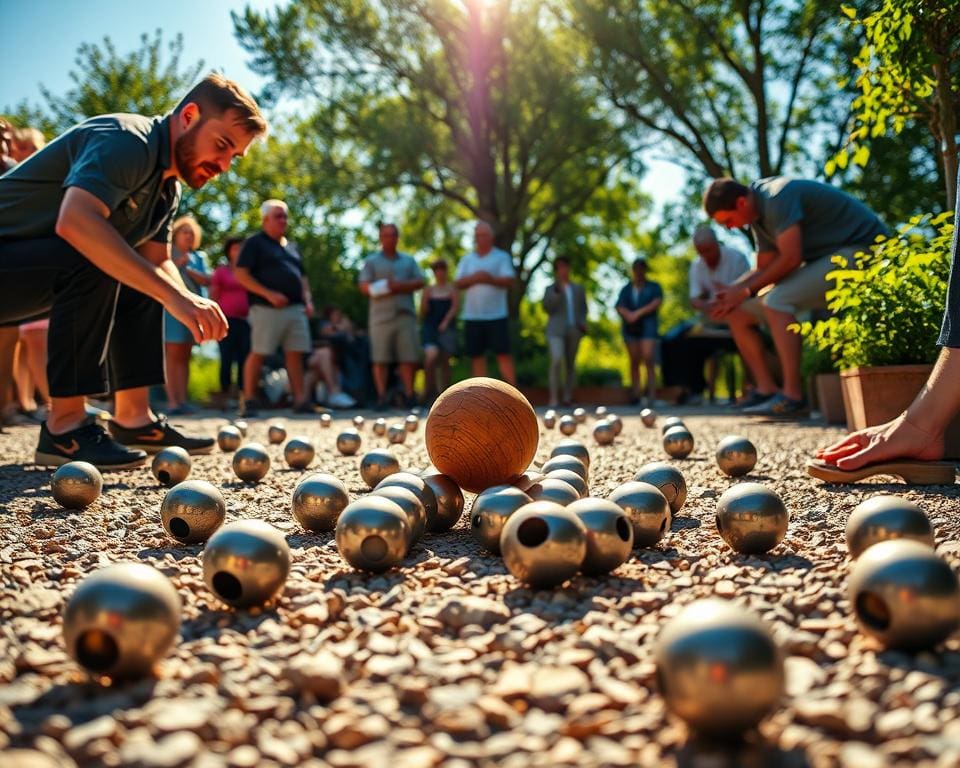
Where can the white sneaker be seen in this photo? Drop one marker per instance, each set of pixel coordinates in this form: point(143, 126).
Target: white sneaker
point(341, 400)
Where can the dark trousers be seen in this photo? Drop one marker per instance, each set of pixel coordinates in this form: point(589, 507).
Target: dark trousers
point(683, 359)
point(234, 348)
point(103, 337)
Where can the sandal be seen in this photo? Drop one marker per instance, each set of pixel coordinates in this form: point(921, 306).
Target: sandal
point(911, 472)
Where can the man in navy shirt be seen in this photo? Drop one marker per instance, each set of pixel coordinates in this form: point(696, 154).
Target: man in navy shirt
point(85, 241)
point(271, 269)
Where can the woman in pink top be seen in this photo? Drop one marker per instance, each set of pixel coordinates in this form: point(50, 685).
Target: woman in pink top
point(232, 298)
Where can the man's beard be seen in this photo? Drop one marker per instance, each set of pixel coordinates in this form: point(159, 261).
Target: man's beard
point(185, 154)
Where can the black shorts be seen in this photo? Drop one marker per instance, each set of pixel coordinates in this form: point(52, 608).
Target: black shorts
point(482, 336)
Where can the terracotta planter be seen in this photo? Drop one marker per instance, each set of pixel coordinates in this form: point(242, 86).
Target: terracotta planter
point(830, 397)
point(875, 395)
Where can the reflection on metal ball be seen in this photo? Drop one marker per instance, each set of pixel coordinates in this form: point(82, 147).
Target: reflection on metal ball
point(373, 533)
point(566, 461)
point(555, 490)
point(412, 507)
point(648, 417)
point(246, 563)
point(580, 415)
point(449, 502)
point(647, 509)
point(251, 462)
point(719, 668)
point(121, 620)
point(318, 500)
point(171, 465)
point(670, 422)
point(411, 423)
point(550, 419)
point(678, 442)
point(668, 479)
point(885, 517)
point(76, 484)
point(376, 465)
point(609, 534)
point(571, 478)
point(420, 489)
point(568, 425)
point(604, 432)
point(575, 448)
point(276, 433)
point(192, 511)
point(229, 439)
point(543, 544)
point(380, 427)
point(299, 452)
point(751, 518)
point(348, 442)
point(490, 511)
point(396, 434)
point(736, 456)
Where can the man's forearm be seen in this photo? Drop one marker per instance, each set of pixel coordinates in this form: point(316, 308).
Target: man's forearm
point(939, 400)
point(250, 283)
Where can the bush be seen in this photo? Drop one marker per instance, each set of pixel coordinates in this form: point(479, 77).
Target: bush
point(204, 378)
point(887, 310)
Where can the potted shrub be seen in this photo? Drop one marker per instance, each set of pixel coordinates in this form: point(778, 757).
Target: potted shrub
point(886, 313)
point(823, 383)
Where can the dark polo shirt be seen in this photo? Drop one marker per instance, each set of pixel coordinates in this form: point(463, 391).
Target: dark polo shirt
point(277, 267)
point(120, 159)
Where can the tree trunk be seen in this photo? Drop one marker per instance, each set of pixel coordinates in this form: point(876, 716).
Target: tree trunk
point(947, 119)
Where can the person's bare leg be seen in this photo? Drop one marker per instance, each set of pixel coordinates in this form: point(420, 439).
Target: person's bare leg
point(171, 367)
point(132, 408)
point(505, 362)
point(445, 372)
point(22, 378)
point(293, 362)
point(36, 343)
point(648, 351)
point(183, 383)
point(66, 413)
point(633, 352)
point(251, 375)
point(788, 346)
point(407, 371)
point(478, 365)
point(743, 327)
point(380, 373)
point(430, 355)
point(8, 343)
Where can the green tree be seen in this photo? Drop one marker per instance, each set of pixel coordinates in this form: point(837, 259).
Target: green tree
point(909, 69)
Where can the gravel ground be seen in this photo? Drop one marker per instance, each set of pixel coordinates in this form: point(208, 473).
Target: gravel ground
point(448, 660)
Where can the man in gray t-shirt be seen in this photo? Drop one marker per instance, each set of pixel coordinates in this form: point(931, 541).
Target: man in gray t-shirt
point(390, 278)
point(799, 225)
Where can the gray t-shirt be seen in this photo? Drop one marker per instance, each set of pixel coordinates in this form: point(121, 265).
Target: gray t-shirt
point(829, 219)
point(120, 159)
point(379, 267)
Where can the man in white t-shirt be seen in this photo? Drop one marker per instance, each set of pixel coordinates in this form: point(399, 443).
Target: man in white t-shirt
point(484, 276)
point(717, 265)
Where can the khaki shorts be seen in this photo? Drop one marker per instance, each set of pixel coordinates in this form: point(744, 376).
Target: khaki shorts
point(395, 340)
point(272, 327)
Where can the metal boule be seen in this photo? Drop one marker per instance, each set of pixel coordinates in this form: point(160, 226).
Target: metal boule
point(543, 544)
point(76, 484)
point(380, 427)
point(568, 424)
point(299, 452)
point(736, 456)
point(600, 412)
point(318, 500)
point(490, 511)
point(670, 422)
point(276, 433)
point(527, 480)
point(121, 620)
point(886, 517)
point(616, 422)
point(575, 448)
point(420, 489)
point(373, 533)
point(171, 465)
point(647, 509)
point(229, 439)
point(377, 464)
point(326, 420)
point(566, 461)
point(241, 427)
point(678, 442)
point(580, 415)
point(411, 423)
point(668, 479)
point(604, 432)
point(571, 478)
point(358, 421)
point(251, 462)
point(396, 434)
point(412, 507)
point(348, 442)
point(719, 668)
point(449, 502)
point(648, 417)
point(751, 518)
point(555, 490)
point(904, 595)
point(192, 511)
point(609, 534)
point(246, 563)
point(550, 419)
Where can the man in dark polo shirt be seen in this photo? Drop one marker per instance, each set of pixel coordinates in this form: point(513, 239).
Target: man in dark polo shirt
point(271, 269)
point(85, 241)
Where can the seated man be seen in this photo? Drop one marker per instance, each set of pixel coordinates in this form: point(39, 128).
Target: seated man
point(798, 226)
point(323, 363)
point(85, 241)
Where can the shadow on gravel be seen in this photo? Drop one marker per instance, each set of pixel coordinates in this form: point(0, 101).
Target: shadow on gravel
point(772, 562)
point(699, 752)
point(945, 665)
point(83, 701)
point(683, 523)
point(571, 603)
point(944, 491)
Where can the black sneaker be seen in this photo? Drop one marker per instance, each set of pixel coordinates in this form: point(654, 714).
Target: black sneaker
point(89, 442)
point(154, 437)
point(248, 408)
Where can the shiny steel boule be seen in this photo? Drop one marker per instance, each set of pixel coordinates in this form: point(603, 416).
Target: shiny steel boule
point(325, 420)
point(276, 433)
point(609, 534)
point(580, 415)
point(396, 434)
point(646, 508)
point(527, 480)
point(566, 462)
point(246, 563)
point(76, 484)
point(886, 517)
point(412, 507)
point(241, 427)
point(575, 448)
point(299, 452)
point(719, 668)
point(751, 518)
point(318, 500)
point(373, 534)
point(668, 479)
point(550, 419)
point(616, 422)
point(192, 511)
point(670, 422)
point(543, 544)
point(348, 442)
point(229, 439)
point(678, 442)
point(380, 427)
point(736, 456)
point(490, 511)
point(904, 595)
point(420, 489)
point(570, 477)
point(568, 425)
point(376, 465)
point(600, 412)
point(121, 620)
point(604, 432)
point(171, 465)
point(251, 462)
point(555, 490)
point(411, 423)
point(449, 502)
point(358, 421)
point(648, 417)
